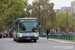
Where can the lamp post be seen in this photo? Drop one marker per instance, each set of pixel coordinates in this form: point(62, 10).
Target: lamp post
point(43, 15)
point(39, 10)
point(67, 22)
point(72, 24)
point(44, 23)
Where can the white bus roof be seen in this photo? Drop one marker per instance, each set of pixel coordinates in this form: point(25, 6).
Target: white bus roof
point(26, 18)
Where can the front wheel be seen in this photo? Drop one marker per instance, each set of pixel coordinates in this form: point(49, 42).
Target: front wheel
point(17, 39)
point(14, 39)
point(35, 40)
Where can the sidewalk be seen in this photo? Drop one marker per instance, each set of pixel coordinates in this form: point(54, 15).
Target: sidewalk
point(59, 41)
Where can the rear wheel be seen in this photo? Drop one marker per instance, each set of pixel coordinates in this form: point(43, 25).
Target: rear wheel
point(14, 39)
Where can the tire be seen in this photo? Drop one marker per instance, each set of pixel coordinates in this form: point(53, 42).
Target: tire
point(35, 40)
point(17, 39)
point(0, 36)
point(14, 39)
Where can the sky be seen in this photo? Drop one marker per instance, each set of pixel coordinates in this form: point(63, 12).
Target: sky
point(58, 3)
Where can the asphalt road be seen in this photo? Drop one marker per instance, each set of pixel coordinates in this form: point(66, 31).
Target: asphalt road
point(9, 44)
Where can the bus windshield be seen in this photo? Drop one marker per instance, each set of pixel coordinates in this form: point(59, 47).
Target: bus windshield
point(28, 27)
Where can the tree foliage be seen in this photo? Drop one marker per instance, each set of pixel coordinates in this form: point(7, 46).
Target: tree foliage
point(61, 21)
point(46, 12)
point(11, 10)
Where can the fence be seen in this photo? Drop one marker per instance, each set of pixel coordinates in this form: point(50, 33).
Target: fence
point(62, 37)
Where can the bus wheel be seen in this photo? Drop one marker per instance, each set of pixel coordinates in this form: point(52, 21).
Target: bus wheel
point(14, 39)
point(17, 40)
point(35, 40)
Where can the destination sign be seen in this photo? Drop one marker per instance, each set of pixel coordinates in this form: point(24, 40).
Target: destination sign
point(27, 20)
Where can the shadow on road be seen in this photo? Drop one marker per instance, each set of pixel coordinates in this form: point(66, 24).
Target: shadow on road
point(27, 41)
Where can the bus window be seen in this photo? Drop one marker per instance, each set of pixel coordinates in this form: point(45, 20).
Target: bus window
point(22, 27)
point(28, 26)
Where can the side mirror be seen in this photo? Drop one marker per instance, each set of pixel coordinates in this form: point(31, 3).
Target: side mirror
point(38, 23)
point(17, 22)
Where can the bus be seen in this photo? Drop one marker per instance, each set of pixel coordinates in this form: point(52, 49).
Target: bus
point(26, 29)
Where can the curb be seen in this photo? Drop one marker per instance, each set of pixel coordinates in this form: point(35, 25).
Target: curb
point(59, 41)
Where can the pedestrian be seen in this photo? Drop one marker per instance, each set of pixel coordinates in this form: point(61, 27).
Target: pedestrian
point(47, 32)
point(3, 35)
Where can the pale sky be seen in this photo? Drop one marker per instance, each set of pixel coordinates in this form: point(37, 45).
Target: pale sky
point(58, 3)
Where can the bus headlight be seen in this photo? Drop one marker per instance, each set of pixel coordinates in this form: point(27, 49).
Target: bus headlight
point(36, 35)
point(19, 35)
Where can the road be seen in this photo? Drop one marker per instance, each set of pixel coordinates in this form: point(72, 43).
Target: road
point(9, 44)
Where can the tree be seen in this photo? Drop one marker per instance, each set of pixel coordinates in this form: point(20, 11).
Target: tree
point(61, 20)
point(46, 11)
point(10, 10)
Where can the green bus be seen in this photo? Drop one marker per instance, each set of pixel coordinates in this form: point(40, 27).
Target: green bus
point(26, 29)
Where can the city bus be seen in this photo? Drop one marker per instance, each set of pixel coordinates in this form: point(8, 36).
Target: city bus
point(26, 29)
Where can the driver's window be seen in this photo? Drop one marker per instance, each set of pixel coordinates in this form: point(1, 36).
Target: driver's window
point(22, 27)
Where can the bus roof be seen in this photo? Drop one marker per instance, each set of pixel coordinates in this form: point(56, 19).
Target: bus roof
point(26, 18)
point(23, 19)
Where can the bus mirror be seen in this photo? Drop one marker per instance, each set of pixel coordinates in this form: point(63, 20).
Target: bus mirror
point(38, 23)
point(17, 22)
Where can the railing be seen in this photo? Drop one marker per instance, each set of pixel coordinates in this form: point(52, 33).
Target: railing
point(62, 37)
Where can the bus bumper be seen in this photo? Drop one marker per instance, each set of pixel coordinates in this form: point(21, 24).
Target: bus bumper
point(28, 38)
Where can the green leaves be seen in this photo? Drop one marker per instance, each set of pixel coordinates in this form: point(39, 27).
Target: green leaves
point(61, 21)
point(46, 12)
point(11, 10)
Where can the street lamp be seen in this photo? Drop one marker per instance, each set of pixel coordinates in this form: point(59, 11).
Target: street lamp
point(67, 22)
point(72, 24)
point(43, 16)
point(44, 24)
point(39, 10)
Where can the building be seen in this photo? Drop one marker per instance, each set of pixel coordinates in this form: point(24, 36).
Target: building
point(73, 6)
point(65, 9)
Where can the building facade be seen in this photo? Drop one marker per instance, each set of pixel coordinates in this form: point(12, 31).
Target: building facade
point(73, 6)
point(66, 9)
